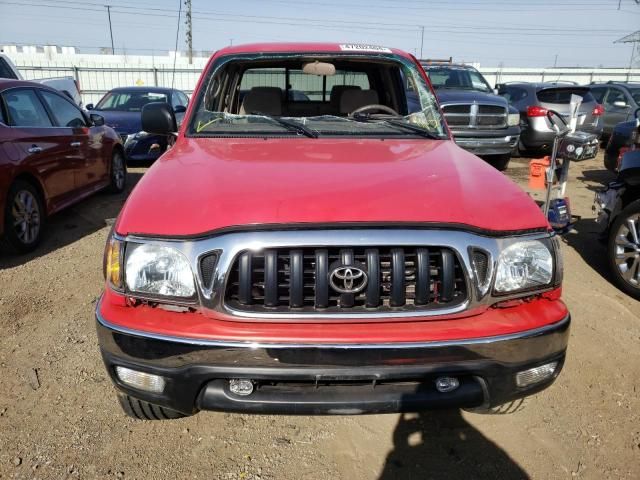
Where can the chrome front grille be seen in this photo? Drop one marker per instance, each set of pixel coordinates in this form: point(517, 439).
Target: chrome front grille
point(382, 279)
point(426, 283)
point(475, 116)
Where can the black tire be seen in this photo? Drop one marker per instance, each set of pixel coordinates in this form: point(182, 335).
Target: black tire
point(610, 161)
point(500, 162)
point(141, 410)
point(26, 236)
point(622, 242)
point(117, 172)
point(504, 409)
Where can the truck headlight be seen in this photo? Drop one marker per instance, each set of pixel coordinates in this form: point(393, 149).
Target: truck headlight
point(513, 119)
point(524, 265)
point(158, 270)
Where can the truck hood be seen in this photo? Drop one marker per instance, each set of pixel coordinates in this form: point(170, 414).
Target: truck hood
point(469, 96)
point(207, 184)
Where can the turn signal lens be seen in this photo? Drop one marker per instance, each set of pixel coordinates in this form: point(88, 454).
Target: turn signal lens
point(598, 110)
point(141, 380)
point(535, 375)
point(113, 263)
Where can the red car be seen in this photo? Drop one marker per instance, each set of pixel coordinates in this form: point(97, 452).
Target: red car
point(313, 245)
point(51, 156)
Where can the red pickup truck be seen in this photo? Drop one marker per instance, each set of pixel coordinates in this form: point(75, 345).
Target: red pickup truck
point(314, 244)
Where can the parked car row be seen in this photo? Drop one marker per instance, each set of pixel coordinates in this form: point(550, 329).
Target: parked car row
point(53, 153)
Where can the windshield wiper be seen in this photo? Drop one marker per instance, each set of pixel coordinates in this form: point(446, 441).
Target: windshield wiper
point(292, 126)
point(397, 123)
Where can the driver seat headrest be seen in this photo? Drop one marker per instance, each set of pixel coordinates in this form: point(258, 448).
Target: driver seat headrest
point(262, 100)
point(354, 99)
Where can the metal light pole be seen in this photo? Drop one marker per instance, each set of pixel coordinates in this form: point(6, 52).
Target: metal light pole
point(108, 7)
point(421, 40)
point(189, 34)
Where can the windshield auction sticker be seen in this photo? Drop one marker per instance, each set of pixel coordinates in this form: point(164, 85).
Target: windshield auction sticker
point(357, 47)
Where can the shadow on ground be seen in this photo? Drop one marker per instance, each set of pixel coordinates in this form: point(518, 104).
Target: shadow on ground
point(74, 223)
point(442, 444)
point(601, 176)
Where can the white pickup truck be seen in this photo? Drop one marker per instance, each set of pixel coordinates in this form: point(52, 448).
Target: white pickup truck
point(66, 85)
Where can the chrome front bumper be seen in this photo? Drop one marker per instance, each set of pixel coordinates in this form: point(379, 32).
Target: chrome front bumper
point(194, 367)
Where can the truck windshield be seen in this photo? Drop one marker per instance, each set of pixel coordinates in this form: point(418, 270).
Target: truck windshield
point(325, 95)
point(457, 78)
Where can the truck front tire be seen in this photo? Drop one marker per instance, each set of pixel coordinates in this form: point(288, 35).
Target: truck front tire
point(141, 410)
point(500, 162)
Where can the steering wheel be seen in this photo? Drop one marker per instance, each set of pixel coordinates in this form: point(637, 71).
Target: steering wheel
point(375, 107)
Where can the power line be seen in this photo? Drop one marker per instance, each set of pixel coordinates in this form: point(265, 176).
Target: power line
point(357, 24)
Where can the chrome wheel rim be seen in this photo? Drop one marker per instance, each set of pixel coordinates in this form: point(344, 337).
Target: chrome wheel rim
point(627, 250)
point(26, 216)
point(118, 171)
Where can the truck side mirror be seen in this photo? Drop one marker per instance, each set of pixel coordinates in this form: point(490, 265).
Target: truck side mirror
point(97, 120)
point(158, 118)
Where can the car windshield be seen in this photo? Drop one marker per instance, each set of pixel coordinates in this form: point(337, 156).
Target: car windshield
point(129, 101)
point(326, 95)
point(457, 78)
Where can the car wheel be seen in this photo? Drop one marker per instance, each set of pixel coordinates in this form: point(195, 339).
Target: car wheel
point(118, 173)
point(500, 162)
point(624, 250)
point(23, 218)
point(141, 410)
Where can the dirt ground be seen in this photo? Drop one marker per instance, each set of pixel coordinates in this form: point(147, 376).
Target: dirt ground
point(59, 417)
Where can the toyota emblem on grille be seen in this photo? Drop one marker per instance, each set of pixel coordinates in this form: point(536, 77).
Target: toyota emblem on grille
point(348, 279)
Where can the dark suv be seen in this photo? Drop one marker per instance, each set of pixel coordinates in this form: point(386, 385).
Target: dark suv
point(480, 121)
point(620, 101)
point(534, 100)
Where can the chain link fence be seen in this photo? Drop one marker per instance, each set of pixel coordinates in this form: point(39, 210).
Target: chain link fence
point(96, 81)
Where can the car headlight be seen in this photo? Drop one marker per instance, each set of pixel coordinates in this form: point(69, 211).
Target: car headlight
point(524, 265)
point(141, 134)
point(513, 119)
point(158, 270)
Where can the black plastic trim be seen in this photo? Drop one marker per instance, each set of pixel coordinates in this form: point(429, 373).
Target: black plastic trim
point(244, 278)
point(296, 288)
point(322, 278)
point(448, 276)
point(373, 271)
point(398, 287)
point(423, 277)
point(340, 226)
point(271, 278)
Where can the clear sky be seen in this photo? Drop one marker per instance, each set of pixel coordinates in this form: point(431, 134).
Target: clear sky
point(514, 32)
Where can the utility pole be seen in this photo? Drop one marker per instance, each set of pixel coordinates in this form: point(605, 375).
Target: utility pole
point(189, 34)
point(421, 40)
point(555, 61)
point(108, 7)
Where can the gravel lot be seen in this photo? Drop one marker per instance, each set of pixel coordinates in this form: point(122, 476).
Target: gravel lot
point(59, 417)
